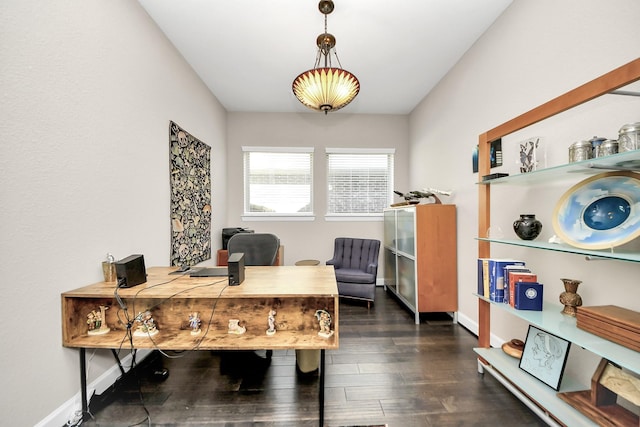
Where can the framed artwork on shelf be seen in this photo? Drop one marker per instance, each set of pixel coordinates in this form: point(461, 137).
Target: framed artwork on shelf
point(544, 356)
point(533, 155)
point(495, 155)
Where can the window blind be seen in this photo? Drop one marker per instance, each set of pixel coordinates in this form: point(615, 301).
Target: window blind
point(278, 180)
point(359, 182)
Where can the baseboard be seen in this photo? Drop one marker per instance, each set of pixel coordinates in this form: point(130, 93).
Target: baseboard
point(468, 323)
point(66, 411)
point(472, 326)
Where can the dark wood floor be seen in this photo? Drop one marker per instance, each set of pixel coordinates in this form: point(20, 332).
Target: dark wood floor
point(387, 371)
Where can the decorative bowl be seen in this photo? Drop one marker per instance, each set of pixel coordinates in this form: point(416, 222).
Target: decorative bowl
point(600, 212)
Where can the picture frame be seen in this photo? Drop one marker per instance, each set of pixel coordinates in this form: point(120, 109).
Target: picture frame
point(495, 153)
point(545, 356)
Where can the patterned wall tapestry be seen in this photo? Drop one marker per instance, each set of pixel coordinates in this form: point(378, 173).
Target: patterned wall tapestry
point(190, 178)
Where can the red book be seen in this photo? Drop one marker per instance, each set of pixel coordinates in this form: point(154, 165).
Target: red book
point(518, 276)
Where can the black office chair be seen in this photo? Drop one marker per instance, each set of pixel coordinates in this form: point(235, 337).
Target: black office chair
point(258, 248)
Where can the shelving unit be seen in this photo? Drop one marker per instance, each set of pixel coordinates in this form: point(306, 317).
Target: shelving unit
point(617, 254)
point(620, 161)
point(420, 265)
point(541, 398)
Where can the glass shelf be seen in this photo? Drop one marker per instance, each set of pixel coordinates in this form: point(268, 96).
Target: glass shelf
point(507, 367)
point(629, 161)
point(552, 320)
point(613, 254)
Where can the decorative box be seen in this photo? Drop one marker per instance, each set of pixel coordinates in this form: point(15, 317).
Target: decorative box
point(611, 322)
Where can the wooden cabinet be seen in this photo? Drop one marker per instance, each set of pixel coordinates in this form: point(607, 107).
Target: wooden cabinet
point(539, 397)
point(420, 265)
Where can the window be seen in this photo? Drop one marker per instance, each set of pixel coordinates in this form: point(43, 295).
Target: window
point(278, 181)
point(360, 181)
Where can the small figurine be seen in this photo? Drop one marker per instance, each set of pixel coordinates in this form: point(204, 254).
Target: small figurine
point(324, 320)
point(146, 325)
point(194, 323)
point(96, 323)
point(272, 323)
point(235, 328)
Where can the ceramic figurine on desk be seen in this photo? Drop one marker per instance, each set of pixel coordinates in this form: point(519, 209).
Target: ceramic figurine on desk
point(194, 323)
point(235, 328)
point(324, 321)
point(272, 323)
point(96, 322)
point(146, 325)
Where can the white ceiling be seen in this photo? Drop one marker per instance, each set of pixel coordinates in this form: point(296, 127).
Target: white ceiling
point(248, 52)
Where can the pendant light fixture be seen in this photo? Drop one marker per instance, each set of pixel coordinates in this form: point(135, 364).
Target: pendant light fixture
point(324, 87)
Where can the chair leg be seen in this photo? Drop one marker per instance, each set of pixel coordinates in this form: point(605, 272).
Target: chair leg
point(368, 305)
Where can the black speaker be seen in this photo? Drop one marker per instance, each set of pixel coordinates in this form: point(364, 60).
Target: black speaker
point(130, 271)
point(235, 265)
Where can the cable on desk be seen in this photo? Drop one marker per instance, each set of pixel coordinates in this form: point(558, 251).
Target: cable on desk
point(204, 334)
point(128, 322)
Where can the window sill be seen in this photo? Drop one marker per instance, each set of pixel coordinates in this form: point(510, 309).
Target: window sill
point(355, 217)
point(286, 218)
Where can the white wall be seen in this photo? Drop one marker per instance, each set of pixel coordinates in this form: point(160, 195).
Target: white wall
point(534, 52)
point(88, 89)
point(304, 239)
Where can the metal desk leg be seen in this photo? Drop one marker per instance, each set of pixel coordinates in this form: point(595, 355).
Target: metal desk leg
point(321, 391)
point(83, 382)
point(115, 355)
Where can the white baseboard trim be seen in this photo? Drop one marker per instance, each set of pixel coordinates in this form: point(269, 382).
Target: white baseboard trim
point(68, 409)
point(472, 326)
point(468, 323)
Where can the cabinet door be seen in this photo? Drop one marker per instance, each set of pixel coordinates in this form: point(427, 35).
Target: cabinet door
point(407, 280)
point(406, 231)
point(390, 229)
point(390, 269)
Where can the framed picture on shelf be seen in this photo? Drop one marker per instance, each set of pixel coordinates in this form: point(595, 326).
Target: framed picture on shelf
point(544, 356)
point(495, 154)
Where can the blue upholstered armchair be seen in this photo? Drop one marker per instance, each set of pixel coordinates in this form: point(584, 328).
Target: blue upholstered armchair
point(356, 265)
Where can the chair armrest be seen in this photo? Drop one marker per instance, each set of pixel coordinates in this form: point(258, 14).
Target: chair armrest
point(372, 268)
point(331, 262)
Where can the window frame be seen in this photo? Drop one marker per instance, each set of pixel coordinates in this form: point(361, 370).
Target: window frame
point(359, 216)
point(276, 216)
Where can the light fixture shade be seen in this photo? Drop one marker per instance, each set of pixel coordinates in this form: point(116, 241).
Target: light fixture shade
point(326, 89)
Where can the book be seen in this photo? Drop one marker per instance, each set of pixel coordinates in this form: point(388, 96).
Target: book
point(496, 277)
point(508, 270)
point(528, 296)
point(483, 277)
point(514, 278)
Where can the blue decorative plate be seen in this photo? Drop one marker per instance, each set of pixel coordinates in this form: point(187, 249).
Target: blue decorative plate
point(600, 212)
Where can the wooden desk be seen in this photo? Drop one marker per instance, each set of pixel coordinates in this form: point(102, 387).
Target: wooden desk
point(295, 293)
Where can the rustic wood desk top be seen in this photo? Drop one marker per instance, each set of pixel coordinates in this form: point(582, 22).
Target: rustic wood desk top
point(272, 281)
point(295, 292)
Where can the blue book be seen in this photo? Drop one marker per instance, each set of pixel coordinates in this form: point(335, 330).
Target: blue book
point(528, 296)
point(496, 277)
